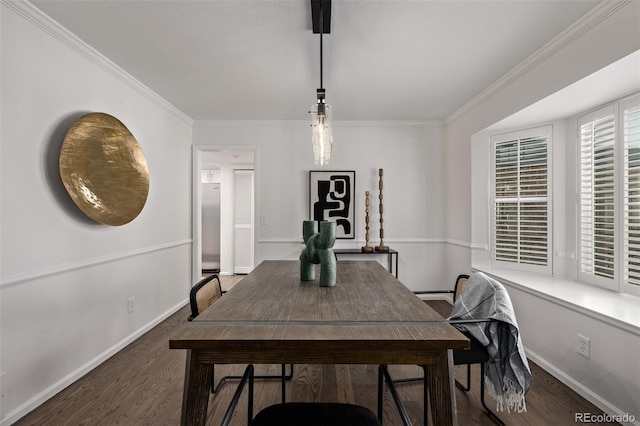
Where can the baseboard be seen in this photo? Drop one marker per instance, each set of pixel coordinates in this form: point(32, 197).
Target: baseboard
point(580, 389)
point(52, 390)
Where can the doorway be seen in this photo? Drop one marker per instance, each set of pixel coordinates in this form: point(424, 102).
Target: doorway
point(224, 236)
point(210, 191)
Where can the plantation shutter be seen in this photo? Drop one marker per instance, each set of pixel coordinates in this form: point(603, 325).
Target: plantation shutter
point(521, 228)
point(597, 196)
point(631, 194)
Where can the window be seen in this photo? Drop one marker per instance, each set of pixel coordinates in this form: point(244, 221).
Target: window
point(609, 234)
point(521, 225)
point(632, 192)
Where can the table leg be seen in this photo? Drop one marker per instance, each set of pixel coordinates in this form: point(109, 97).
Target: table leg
point(197, 384)
point(396, 265)
point(442, 391)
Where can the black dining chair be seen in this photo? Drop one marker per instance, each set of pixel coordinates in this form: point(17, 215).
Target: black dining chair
point(202, 296)
point(304, 413)
point(476, 354)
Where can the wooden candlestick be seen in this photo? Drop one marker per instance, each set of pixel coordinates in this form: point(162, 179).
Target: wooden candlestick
point(381, 246)
point(367, 248)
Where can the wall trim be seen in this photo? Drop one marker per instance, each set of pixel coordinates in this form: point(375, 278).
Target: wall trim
point(543, 287)
point(75, 375)
point(476, 246)
point(578, 387)
point(341, 243)
point(437, 240)
point(43, 21)
point(459, 243)
point(60, 269)
point(589, 21)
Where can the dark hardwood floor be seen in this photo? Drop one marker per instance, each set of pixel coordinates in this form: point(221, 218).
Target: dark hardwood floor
point(142, 385)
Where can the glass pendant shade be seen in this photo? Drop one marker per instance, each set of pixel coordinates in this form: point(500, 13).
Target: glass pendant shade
point(322, 137)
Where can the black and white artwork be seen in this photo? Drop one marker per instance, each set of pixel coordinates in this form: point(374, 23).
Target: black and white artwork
point(331, 198)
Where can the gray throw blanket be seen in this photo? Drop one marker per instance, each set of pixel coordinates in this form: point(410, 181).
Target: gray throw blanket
point(507, 374)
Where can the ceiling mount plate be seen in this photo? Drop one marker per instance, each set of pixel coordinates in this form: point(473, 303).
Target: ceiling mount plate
point(316, 7)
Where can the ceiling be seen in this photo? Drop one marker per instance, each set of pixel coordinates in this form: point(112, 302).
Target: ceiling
point(218, 158)
point(259, 60)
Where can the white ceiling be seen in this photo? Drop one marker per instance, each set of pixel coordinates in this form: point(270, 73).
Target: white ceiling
point(259, 60)
point(217, 158)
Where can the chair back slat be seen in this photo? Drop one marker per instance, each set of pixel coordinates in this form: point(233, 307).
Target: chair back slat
point(461, 282)
point(203, 294)
point(207, 295)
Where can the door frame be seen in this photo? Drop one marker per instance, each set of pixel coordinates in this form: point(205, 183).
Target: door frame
point(196, 203)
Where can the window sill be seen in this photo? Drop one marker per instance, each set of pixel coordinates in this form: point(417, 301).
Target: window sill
point(618, 309)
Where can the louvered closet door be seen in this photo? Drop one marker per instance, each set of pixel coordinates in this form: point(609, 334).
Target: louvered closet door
point(243, 223)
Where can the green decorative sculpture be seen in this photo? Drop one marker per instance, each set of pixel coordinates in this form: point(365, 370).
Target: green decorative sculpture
point(318, 251)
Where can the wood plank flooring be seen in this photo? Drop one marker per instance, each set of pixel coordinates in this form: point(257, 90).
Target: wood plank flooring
point(142, 385)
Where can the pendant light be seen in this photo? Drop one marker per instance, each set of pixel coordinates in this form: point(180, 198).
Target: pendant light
point(322, 138)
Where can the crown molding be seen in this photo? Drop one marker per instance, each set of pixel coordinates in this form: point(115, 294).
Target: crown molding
point(426, 123)
point(231, 123)
point(582, 26)
point(31, 13)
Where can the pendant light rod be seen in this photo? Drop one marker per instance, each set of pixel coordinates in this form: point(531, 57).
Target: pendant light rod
point(322, 138)
point(321, 67)
point(321, 23)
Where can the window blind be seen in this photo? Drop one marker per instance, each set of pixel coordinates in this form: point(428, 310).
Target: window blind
point(597, 196)
point(632, 195)
point(521, 204)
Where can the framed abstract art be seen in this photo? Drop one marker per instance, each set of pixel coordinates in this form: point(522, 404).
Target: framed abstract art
point(331, 197)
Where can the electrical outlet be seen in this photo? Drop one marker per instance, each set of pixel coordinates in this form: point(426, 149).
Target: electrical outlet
point(584, 346)
point(130, 304)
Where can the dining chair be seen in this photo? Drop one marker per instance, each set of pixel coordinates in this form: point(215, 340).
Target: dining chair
point(304, 413)
point(476, 354)
point(201, 296)
point(460, 283)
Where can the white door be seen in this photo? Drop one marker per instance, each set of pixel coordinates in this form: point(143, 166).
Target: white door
point(243, 221)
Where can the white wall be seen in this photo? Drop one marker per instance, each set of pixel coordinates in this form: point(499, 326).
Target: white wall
point(411, 155)
point(609, 378)
point(66, 280)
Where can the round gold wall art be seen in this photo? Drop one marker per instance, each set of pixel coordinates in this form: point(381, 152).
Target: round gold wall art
point(104, 169)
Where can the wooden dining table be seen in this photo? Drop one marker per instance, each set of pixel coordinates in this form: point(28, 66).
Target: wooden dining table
point(272, 317)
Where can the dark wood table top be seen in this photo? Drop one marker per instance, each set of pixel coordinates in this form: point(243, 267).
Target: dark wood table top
point(273, 317)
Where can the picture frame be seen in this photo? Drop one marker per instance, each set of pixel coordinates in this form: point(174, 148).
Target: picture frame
point(331, 197)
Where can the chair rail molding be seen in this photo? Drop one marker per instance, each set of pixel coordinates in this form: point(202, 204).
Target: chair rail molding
point(60, 269)
point(357, 241)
